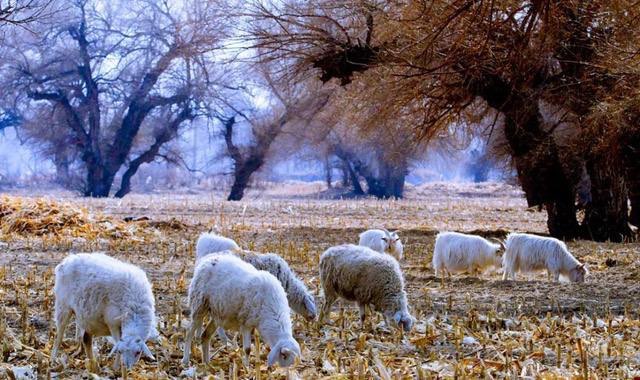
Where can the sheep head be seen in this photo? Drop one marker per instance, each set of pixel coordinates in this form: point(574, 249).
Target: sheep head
point(578, 273)
point(310, 307)
point(395, 245)
point(130, 350)
point(284, 353)
point(398, 315)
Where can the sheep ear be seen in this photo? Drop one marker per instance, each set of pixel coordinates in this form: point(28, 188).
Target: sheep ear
point(147, 352)
point(285, 353)
point(504, 246)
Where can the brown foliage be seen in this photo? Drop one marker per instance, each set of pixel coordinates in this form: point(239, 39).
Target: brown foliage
point(435, 60)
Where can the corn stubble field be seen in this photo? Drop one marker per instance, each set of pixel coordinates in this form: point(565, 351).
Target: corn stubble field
point(473, 327)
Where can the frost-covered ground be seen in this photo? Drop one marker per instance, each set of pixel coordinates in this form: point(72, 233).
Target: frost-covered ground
point(473, 327)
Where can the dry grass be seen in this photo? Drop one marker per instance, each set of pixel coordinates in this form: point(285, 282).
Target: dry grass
point(474, 327)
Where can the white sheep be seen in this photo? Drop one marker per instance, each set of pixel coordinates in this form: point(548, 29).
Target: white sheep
point(383, 241)
point(237, 296)
point(299, 297)
point(360, 274)
point(456, 252)
point(529, 253)
point(109, 298)
point(209, 243)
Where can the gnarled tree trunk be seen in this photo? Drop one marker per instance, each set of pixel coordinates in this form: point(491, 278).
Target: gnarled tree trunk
point(350, 177)
point(633, 182)
point(166, 135)
point(98, 184)
point(546, 183)
point(327, 172)
point(248, 162)
point(630, 143)
point(607, 215)
point(242, 174)
point(388, 182)
point(537, 158)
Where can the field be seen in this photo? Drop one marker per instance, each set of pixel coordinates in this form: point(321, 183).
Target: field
point(472, 327)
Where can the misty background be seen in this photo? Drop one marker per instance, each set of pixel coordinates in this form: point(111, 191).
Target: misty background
point(204, 166)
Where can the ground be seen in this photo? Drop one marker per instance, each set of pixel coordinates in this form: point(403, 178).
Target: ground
point(471, 327)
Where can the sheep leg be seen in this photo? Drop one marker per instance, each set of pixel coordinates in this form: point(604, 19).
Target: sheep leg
point(222, 335)
point(225, 338)
point(363, 309)
point(326, 307)
point(79, 335)
point(246, 344)
point(87, 343)
point(206, 340)
point(114, 330)
point(389, 323)
point(63, 315)
point(507, 274)
point(556, 276)
point(196, 323)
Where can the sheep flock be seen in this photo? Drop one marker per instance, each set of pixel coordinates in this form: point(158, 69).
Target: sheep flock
point(368, 303)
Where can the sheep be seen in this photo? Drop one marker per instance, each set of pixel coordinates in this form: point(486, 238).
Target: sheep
point(298, 296)
point(360, 274)
point(382, 241)
point(238, 296)
point(300, 300)
point(456, 252)
point(528, 253)
point(109, 298)
point(209, 243)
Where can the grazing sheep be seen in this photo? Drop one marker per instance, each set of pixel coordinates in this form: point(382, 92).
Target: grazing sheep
point(360, 274)
point(382, 241)
point(209, 243)
point(456, 252)
point(299, 297)
point(529, 253)
point(108, 297)
point(237, 296)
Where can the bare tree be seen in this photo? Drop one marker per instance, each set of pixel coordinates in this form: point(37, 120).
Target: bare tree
point(23, 12)
point(294, 107)
point(382, 162)
point(441, 61)
point(109, 68)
